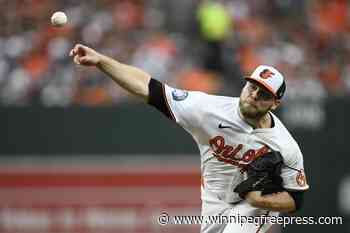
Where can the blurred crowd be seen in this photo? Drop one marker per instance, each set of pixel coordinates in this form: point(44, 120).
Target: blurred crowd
point(192, 44)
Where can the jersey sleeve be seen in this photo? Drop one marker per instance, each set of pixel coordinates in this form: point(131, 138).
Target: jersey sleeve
point(293, 174)
point(182, 106)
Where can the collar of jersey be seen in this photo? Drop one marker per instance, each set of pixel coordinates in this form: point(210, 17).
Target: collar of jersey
point(250, 128)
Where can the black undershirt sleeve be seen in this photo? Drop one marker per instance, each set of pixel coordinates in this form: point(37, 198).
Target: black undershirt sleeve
point(157, 98)
point(272, 121)
point(298, 197)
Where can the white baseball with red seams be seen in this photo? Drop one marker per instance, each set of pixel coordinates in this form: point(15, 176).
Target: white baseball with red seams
point(225, 142)
point(59, 19)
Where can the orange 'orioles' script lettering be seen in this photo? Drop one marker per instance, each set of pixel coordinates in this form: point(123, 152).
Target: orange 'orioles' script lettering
point(228, 154)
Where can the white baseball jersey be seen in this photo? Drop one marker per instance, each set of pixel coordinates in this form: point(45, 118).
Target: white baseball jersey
point(225, 142)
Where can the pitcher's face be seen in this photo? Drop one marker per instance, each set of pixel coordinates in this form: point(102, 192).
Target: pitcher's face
point(255, 100)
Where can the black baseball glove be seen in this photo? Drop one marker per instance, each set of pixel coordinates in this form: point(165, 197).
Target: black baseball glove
point(263, 175)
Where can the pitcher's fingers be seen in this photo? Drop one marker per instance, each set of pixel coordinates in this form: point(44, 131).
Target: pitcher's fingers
point(76, 60)
point(80, 47)
point(75, 49)
point(71, 53)
point(83, 59)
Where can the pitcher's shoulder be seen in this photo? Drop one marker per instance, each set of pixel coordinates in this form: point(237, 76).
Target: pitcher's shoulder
point(288, 145)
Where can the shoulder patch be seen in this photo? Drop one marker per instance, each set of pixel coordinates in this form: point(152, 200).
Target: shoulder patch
point(179, 95)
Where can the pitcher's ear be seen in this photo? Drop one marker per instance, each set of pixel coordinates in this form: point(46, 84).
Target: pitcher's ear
point(276, 103)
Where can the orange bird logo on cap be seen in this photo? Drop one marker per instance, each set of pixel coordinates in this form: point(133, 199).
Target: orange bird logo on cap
point(265, 74)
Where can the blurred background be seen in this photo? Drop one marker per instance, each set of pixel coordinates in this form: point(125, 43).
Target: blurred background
point(78, 154)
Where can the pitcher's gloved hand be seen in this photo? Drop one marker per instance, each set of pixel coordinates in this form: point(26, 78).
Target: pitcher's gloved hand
point(263, 175)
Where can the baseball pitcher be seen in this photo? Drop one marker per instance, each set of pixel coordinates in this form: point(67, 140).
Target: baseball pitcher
point(250, 164)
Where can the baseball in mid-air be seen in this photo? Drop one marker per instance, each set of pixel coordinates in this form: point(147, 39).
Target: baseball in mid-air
point(59, 19)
